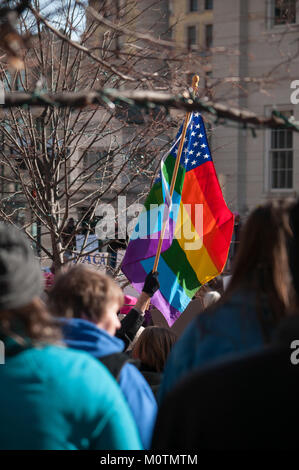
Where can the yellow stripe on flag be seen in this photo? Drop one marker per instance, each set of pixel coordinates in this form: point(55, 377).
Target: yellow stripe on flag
point(192, 244)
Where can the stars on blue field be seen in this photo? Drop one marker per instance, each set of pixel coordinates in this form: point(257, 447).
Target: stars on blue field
point(196, 149)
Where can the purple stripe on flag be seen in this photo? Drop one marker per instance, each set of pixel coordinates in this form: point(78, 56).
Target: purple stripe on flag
point(169, 312)
point(136, 271)
point(143, 248)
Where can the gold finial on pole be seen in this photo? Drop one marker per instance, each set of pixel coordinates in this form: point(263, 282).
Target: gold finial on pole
point(195, 82)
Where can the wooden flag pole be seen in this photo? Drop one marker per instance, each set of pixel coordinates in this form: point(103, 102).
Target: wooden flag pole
point(195, 81)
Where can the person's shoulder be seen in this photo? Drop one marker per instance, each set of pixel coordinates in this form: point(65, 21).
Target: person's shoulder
point(132, 373)
point(227, 309)
point(79, 374)
point(55, 360)
point(131, 378)
point(62, 353)
point(190, 329)
point(238, 369)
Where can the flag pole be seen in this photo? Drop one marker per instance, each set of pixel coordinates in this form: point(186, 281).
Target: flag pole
point(195, 81)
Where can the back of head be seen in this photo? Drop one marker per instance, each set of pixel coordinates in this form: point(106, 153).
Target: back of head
point(153, 347)
point(20, 273)
point(22, 313)
point(261, 263)
point(211, 298)
point(82, 292)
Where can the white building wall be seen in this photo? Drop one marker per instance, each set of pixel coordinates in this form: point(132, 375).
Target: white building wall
point(243, 26)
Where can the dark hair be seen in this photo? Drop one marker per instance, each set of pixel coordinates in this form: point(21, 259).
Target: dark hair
point(83, 292)
point(32, 322)
point(153, 347)
point(261, 263)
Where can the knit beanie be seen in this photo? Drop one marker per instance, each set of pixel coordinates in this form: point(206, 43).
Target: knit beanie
point(129, 302)
point(20, 273)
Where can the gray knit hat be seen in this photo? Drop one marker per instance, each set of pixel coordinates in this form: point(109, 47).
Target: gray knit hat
point(20, 273)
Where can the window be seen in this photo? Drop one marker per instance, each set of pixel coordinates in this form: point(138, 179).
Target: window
point(97, 166)
point(208, 4)
point(191, 35)
point(284, 12)
point(193, 5)
point(2, 181)
point(209, 35)
point(15, 208)
point(281, 158)
point(2, 141)
point(19, 213)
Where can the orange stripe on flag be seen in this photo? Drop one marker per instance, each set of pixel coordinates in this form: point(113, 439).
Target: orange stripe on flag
point(217, 218)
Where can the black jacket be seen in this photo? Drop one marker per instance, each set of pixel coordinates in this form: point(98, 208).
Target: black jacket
point(130, 325)
point(152, 377)
point(250, 403)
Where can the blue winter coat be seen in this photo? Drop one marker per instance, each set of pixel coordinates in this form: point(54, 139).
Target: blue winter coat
point(86, 336)
point(230, 329)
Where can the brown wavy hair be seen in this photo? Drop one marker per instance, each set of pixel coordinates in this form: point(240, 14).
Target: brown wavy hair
point(261, 264)
point(32, 323)
point(153, 347)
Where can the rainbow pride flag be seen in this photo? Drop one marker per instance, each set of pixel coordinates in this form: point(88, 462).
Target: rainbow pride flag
point(198, 231)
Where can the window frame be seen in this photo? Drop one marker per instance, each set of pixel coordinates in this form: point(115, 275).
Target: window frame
point(271, 5)
point(189, 6)
point(187, 35)
point(98, 180)
point(274, 14)
point(206, 3)
point(269, 151)
point(212, 37)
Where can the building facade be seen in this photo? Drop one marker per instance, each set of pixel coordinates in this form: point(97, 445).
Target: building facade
point(254, 61)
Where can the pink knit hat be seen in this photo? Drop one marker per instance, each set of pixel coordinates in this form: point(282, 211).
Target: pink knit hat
point(129, 303)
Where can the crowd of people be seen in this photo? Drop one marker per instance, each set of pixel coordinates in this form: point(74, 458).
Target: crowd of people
point(85, 369)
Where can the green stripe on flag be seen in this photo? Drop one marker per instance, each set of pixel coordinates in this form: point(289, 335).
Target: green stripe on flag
point(177, 261)
point(168, 171)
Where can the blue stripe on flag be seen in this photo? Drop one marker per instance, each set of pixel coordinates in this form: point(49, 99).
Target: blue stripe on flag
point(150, 222)
point(169, 285)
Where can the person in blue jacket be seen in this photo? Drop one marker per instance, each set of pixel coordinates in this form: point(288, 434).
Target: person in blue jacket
point(51, 398)
point(88, 302)
point(258, 296)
